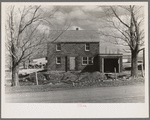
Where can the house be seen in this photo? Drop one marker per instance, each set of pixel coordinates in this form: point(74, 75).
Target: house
point(79, 50)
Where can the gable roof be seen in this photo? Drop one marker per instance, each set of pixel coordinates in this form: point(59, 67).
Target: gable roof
point(74, 36)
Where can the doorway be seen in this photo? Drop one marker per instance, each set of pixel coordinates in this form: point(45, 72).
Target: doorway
point(111, 64)
point(72, 63)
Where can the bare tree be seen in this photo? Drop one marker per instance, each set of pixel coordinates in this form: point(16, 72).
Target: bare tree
point(21, 35)
point(24, 37)
point(124, 25)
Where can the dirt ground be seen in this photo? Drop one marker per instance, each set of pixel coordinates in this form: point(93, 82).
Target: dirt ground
point(120, 94)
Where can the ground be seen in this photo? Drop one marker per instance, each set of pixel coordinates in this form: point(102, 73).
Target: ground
point(90, 88)
point(120, 94)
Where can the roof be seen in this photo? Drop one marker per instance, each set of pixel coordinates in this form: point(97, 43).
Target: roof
point(74, 36)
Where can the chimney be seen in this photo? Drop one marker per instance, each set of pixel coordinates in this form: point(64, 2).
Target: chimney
point(77, 28)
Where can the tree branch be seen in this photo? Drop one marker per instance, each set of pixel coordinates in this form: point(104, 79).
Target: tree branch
point(119, 18)
point(29, 38)
point(9, 49)
point(31, 21)
point(26, 56)
point(141, 49)
point(126, 51)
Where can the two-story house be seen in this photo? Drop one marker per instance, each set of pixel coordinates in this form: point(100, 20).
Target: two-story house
point(79, 50)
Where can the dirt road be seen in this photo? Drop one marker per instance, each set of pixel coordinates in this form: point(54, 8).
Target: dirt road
point(120, 94)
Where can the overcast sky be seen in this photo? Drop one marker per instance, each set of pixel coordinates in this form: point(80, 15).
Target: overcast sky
point(84, 17)
point(79, 16)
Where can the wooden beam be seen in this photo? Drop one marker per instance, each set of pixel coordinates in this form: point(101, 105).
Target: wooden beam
point(119, 65)
point(102, 65)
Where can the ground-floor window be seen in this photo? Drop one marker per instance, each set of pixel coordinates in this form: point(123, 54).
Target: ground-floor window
point(87, 60)
point(58, 60)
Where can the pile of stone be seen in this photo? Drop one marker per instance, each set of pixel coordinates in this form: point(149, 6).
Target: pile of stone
point(74, 78)
point(82, 78)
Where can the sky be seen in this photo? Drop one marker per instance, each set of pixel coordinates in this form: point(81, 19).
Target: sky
point(85, 17)
point(81, 16)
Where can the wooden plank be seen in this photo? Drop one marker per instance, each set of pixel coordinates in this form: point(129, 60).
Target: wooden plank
point(102, 65)
point(36, 78)
point(119, 67)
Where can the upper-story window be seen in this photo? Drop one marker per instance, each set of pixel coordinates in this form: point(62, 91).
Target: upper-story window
point(58, 47)
point(87, 47)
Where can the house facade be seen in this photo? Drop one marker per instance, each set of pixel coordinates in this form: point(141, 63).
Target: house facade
point(73, 56)
point(79, 50)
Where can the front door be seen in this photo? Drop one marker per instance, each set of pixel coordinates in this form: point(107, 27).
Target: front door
point(72, 63)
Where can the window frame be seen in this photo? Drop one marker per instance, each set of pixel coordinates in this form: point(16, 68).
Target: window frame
point(87, 61)
point(57, 60)
point(87, 46)
point(90, 60)
point(58, 46)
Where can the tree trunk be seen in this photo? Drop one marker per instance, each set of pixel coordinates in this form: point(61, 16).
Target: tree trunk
point(15, 78)
point(134, 64)
point(15, 68)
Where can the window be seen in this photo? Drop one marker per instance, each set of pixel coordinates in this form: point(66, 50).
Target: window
point(58, 47)
point(90, 61)
point(87, 47)
point(84, 60)
point(58, 60)
point(87, 60)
